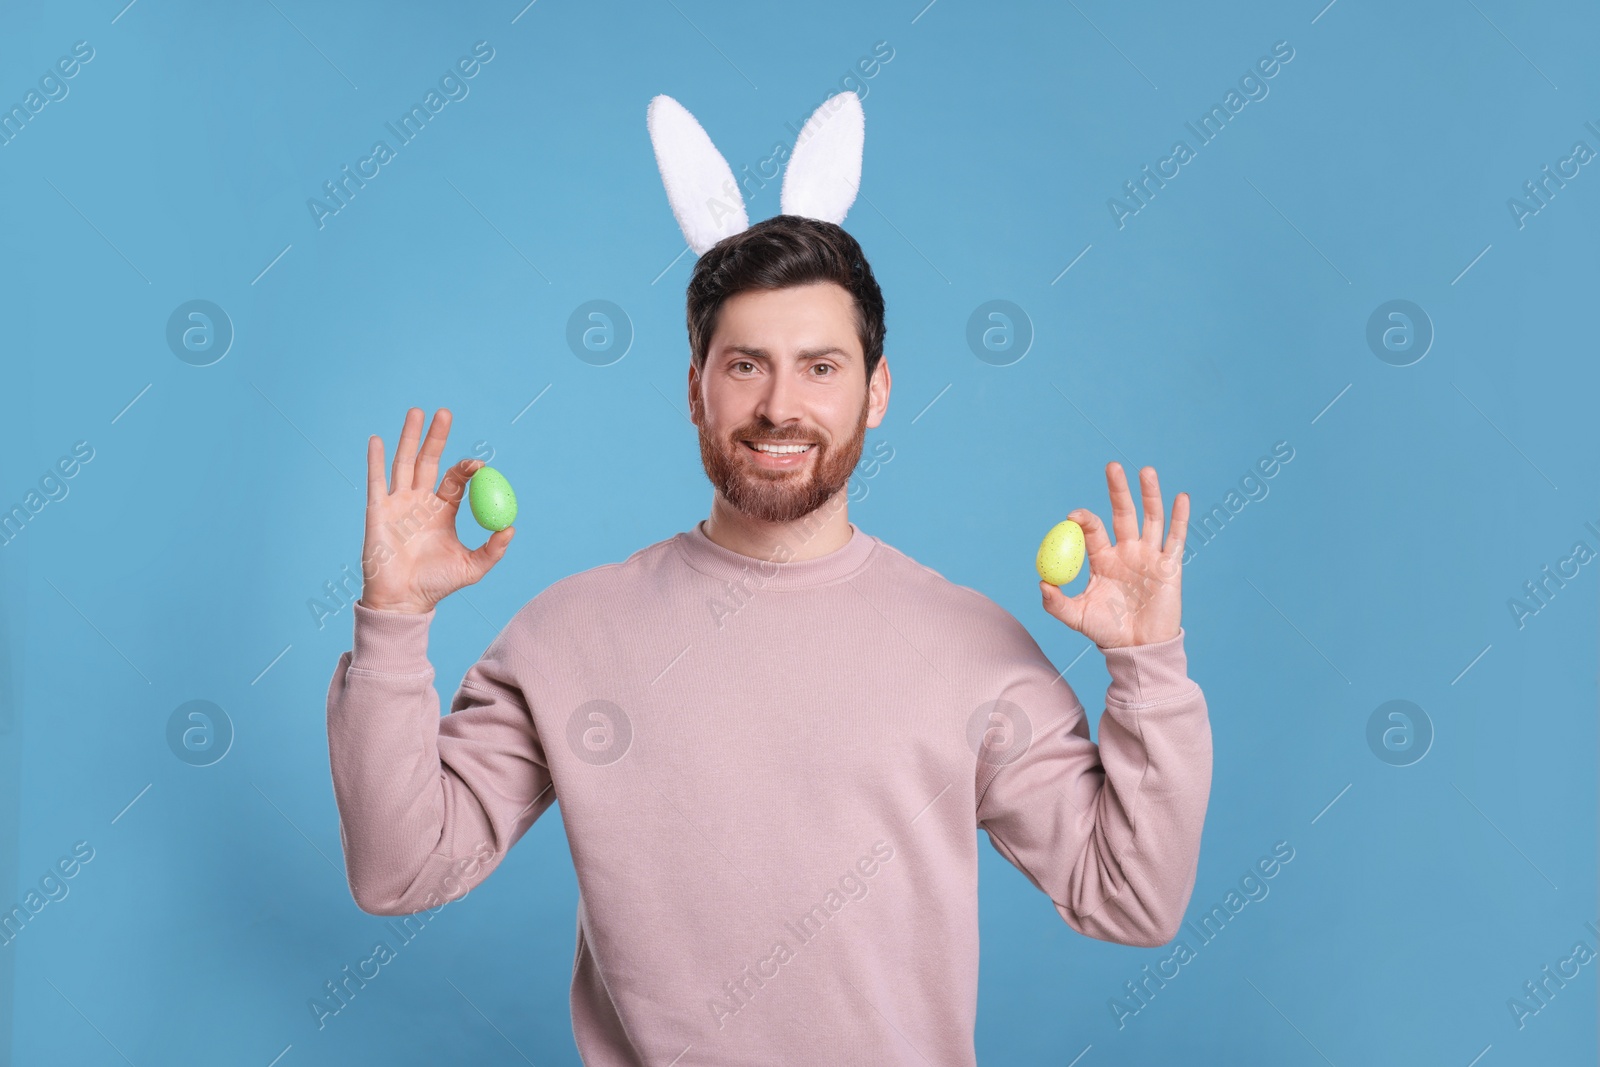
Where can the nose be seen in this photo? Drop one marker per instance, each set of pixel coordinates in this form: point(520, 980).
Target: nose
point(780, 401)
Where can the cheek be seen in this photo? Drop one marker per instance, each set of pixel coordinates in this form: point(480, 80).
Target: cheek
point(844, 419)
point(730, 406)
point(725, 418)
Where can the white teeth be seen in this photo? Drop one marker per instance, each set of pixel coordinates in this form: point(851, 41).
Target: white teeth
point(780, 450)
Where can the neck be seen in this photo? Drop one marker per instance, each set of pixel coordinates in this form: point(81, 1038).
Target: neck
point(825, 530)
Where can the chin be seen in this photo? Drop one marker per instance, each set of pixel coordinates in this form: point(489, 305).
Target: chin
point(780, 496)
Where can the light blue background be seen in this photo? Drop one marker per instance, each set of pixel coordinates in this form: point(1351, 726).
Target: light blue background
point(1222, 318)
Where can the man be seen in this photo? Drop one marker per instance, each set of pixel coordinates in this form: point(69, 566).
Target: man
point(773, 736)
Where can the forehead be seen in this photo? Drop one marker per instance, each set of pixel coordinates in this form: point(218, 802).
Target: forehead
point(801, 316)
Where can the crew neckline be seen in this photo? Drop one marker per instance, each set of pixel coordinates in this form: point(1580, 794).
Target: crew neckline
point(708, 557)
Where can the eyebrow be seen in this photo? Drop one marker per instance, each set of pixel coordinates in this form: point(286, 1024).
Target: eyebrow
point(809, 353)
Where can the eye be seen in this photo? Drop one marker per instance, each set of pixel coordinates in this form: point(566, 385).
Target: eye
point(825, 366)
point(743, 363)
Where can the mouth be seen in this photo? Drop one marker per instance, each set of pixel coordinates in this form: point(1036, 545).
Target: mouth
point(780, 454)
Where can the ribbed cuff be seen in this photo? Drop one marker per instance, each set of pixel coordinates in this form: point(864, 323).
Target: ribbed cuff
point(1146, 674)
point(394, 642)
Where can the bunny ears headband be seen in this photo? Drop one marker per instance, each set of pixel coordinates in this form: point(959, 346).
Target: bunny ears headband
point(820, 182)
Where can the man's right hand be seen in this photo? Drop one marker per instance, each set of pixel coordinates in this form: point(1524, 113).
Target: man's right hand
point(412, 558)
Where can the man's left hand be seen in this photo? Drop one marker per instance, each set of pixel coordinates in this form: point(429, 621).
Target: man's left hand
point(1133, 595)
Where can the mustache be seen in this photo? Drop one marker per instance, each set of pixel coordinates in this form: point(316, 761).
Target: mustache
point(770, 432)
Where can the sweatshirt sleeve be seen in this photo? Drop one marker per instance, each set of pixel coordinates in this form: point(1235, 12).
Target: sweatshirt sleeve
point(428, 806)
point(1110, 832)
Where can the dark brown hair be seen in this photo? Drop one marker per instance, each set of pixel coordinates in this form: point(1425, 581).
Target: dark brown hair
point(777, 253)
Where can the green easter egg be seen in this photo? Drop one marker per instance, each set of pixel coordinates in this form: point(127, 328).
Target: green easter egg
point(1061, 553)
point(494, 505)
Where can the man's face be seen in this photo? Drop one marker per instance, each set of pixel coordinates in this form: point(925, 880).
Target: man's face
point(785, 368)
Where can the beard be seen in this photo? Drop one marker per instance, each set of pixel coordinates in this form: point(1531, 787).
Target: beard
point(780, 495)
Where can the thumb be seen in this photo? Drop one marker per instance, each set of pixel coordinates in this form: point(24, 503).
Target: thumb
point(486, 555)
point(1058, 603)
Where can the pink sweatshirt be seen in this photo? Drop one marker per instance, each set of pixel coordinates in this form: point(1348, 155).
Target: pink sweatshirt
point(771, 777)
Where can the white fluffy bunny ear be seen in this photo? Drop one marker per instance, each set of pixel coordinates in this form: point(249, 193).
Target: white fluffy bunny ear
point(699, 183)
point(824, 170)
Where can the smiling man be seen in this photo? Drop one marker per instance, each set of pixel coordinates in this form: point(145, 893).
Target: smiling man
point(772, 813)
point(787, 374)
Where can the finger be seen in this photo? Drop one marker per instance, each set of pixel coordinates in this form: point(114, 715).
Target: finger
point(377, 484)
point(1124, 521)
point(490, 552)
point(1180, 526)
point(1155, 512)
point(1095, 541)
point(455, 482)
point(432, 448)
point(405, 453)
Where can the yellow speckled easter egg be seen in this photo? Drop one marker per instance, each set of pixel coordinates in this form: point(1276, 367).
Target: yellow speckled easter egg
point(1061, 553)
